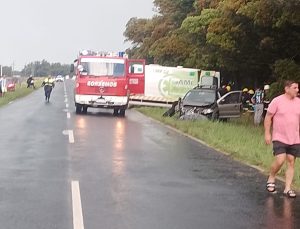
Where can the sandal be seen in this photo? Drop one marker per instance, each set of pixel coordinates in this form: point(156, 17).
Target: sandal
point(271, 187)
point(290, 194)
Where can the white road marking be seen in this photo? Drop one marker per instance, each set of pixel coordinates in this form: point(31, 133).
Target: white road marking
point(67, 105)
point(68, 115)
point(66, 100)
point(70, 134)
point(77, 207)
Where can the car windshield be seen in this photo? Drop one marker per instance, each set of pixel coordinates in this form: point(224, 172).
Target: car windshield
point(103, 67)
point(200, 97)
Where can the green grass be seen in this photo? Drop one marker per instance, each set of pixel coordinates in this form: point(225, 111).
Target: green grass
point(238, 138)
point(21, 91)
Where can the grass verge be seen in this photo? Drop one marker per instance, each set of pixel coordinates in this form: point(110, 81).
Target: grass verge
point(20, 91)
point(237, 138)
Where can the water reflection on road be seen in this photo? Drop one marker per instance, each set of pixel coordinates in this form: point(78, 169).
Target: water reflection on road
point(280, 213)
point(118, 148)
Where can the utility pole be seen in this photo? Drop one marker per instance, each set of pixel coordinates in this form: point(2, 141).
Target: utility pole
point(12, 69)
point(32, 70)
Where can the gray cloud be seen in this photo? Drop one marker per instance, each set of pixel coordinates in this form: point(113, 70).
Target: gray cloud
point(56, 30)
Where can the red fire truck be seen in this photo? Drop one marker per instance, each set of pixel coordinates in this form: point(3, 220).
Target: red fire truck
point(105, 80)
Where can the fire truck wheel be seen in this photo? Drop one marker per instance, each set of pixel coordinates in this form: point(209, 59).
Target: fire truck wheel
point(78, 108)
point(116, 111)
point(84, 109)
point(122, 112)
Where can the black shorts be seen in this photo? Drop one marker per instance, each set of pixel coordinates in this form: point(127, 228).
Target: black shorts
point(279, 148)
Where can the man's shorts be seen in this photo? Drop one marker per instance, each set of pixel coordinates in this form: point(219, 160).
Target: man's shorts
point(279, 148)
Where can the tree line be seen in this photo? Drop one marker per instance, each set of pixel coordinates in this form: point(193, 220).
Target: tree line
point(252, 42)
point(38, 69)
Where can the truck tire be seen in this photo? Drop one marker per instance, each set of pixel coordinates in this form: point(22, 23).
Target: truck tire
point(78, 108)
point(84, 109)
point(116, 111)
point(122, 112)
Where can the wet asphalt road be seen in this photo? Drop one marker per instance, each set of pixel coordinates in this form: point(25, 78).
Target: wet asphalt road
point(132, 172)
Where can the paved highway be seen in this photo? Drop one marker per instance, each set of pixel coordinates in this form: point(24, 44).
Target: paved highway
point(67, 171)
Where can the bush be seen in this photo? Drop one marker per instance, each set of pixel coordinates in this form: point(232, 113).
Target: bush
point(284, 70)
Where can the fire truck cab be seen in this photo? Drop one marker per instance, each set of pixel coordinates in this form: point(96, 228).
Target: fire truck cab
point(106, 81)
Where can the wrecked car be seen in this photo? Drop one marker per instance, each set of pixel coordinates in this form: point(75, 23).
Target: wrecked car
point(206, 103)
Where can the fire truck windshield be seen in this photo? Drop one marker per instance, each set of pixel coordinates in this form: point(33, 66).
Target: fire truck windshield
point(98, 67)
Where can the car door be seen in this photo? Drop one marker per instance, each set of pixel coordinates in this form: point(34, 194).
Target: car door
point(230, 105)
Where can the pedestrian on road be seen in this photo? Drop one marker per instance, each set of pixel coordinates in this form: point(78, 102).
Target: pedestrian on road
point(283, 115)
point(48, 84)
point(30, 82)
point(258, 102)
point(1, 92)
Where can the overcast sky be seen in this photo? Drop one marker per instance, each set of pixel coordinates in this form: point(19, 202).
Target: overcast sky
point(55, 30)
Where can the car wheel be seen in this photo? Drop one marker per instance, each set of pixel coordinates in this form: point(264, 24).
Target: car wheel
point(215, 116)
point(224, 119)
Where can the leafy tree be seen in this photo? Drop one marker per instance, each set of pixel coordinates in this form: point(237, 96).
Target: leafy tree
point(285, 69)
point(174, 11)
point(147, 35)
point(172, 50)
point(251, 42)
point(137, 30)
point(6, 71)
point(44, 68)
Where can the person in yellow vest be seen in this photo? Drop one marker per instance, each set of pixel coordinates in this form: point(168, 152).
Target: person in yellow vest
point(48, 85)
